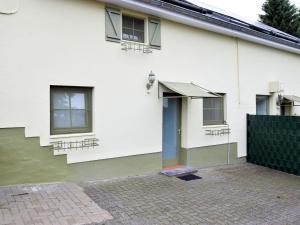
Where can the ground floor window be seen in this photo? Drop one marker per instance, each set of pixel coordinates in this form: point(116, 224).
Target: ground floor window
point(71, 109)
point(213, 110)
point(262, 105)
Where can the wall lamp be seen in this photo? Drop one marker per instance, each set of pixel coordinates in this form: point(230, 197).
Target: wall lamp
point(151, 80)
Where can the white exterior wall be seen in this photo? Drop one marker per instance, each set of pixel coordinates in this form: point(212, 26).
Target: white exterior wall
point(62, 42)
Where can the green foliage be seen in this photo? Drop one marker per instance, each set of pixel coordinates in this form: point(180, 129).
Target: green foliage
point(298, 29)
point(282, 15)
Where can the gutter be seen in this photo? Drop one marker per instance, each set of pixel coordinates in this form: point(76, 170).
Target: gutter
point(183, 19)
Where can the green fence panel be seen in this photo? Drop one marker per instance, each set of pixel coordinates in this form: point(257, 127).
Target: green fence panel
point(274, 142)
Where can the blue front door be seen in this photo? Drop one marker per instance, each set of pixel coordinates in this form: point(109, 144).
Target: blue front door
point(171, 130)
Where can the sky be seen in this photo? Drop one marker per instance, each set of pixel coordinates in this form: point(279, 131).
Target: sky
point(248, 9)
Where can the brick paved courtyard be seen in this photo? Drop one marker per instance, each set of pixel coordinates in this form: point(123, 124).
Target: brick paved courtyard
point(241, 194)
point(47, 204)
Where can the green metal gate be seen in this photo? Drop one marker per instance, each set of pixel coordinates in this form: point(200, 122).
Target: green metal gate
point(274, 141)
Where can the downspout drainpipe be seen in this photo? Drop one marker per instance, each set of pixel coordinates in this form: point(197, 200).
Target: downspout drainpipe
point(238, 70)
point(228, 147)
point(166, 14)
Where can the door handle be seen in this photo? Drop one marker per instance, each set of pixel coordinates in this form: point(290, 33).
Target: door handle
point(179, 131)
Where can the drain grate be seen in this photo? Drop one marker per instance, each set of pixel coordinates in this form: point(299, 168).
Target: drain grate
point(189, 177)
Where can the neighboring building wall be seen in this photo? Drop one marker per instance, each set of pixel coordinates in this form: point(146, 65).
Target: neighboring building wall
point(60, 42)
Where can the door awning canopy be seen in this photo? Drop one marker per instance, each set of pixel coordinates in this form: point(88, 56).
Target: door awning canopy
point(187, 90)
point(292, 98)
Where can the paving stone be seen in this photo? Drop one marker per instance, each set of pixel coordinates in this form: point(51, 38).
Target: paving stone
point(229, 195)
point(48, 204)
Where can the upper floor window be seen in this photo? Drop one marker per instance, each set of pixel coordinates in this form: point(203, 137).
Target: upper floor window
point(262, 105)
point(133, 29)
point(213, 111)
point(71, 110)
point(119, 26)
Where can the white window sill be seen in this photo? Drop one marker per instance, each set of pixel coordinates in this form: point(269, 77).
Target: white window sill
point(58, 136)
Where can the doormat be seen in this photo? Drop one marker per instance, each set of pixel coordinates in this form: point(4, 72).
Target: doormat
point(181, 171)
point(189, 177)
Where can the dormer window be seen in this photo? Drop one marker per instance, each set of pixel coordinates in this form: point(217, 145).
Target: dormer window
point(133, 29)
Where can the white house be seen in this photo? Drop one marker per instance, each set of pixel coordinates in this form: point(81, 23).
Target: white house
point(124, 87)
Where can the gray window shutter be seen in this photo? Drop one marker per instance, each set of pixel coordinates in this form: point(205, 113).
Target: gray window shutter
point(113, 24)
point(154, 33)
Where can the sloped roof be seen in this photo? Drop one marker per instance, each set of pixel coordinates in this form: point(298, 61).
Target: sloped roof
point(219, 17)
point(232, 15)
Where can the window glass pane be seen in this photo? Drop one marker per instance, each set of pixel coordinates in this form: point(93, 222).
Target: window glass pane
point(216, 115)
point(212, 103)
point(127, 22)
point(133, 29)
point(217, 103)
point(61, 119)
point(127, 34)
point(207, 103)
point(262, 105)
point(139, 24)
point(60, 100)
point(139, 36)
point(77, 100)
point(79, 118)
point(213, 111)
point(207, 115)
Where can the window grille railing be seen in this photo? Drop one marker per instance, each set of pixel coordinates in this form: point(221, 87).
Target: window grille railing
point(218, 132)
point(77, 145)
point(134, 46)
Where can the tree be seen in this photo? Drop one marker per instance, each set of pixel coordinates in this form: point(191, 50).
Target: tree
point(298, 29)
point(282, 15)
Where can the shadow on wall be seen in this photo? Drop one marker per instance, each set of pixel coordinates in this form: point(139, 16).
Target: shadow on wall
point(22, 160)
